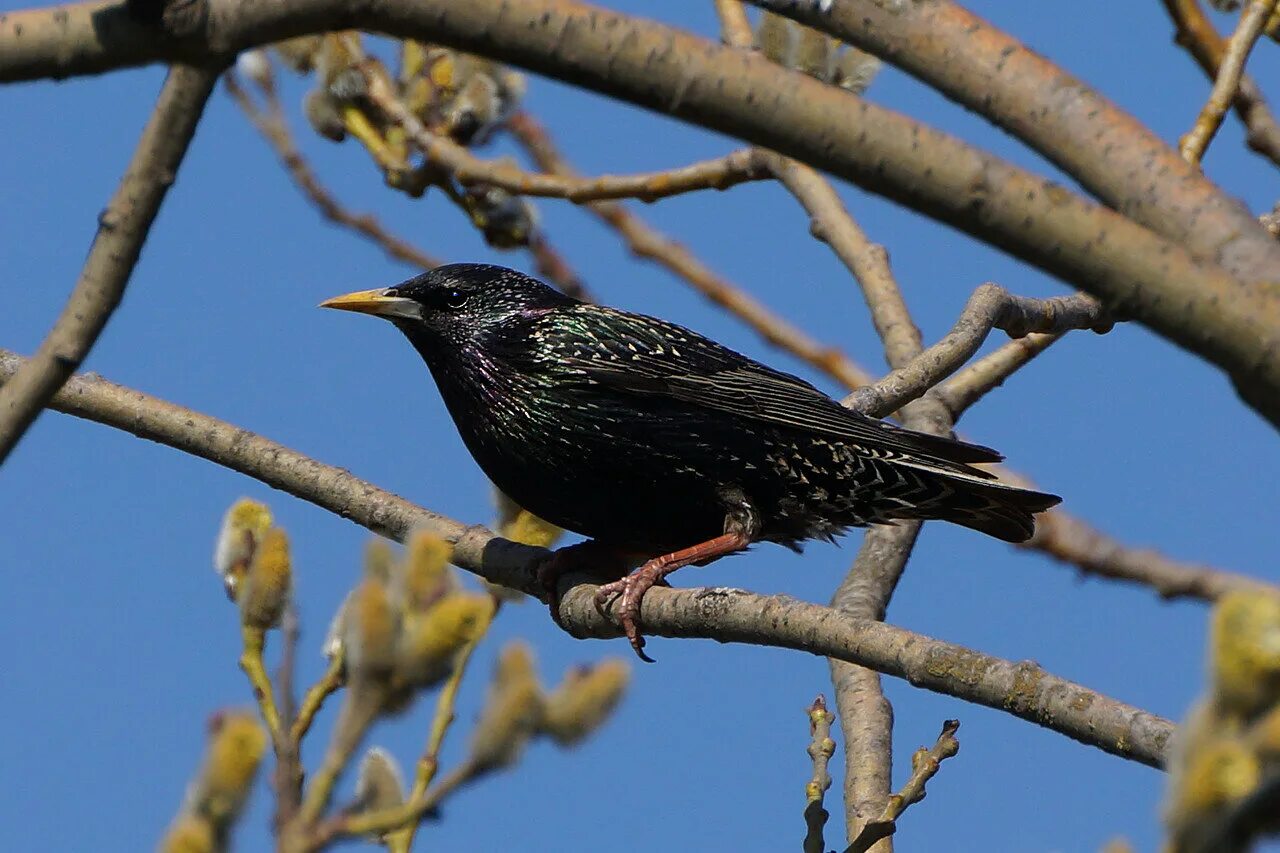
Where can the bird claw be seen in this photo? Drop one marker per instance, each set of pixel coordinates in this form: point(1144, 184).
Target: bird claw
point(631, 590)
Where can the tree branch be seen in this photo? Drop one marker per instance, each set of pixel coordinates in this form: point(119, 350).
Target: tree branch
point(1198, 35)
point(924, 766)
point(1054, 112)
point(122, 229)
point(1233, 323)
point(990, 307)
point(727, 615)
point(646, 242)
point(271, 124)
point(1226, 84)
point(971, 384)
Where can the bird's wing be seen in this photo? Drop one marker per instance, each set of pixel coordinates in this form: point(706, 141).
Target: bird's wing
point(647, 356)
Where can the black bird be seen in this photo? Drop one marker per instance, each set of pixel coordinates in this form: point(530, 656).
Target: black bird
point(659, 443)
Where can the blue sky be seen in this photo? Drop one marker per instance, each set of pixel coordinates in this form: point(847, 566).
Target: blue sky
point(119, 640)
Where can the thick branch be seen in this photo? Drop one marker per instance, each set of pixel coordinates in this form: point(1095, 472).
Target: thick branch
point(990, 307)
point(122, 229)
point(1136, 273)
point(1059, 115)
point(726, 615)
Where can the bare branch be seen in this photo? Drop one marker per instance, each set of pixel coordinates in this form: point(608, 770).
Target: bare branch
point(647, 242)
point(726, 615)
point(1233, 322)
point(821, 748)
point(735, 29)
point(924, 766)
point(1199, 36)
point(990, 306)
point(1227, 83)
point(719, 173)
point(275, 130)
point(867, 261)
point(971, 384)
point(1059, 115)
point(122, 229)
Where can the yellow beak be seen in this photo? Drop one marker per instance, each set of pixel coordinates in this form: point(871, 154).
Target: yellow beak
point(376, 302)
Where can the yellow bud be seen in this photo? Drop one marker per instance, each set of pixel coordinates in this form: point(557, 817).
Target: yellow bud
point(379, 784)
point(441, 65)
point(299, 53)
point(242, 528)
point(527, 529)
point(425, 577)
point(190, 833)
point(584, 700)
point(379, 559)
point(413, 59)
point(1245, 651)
point(370, 625)
point(816, 53)
point(776, 38)
point(430, 641)
point(266, 587)
point(1216, 775)
point(1265, 735)
point(854, 70)
point(237, 742)
point(512, 711)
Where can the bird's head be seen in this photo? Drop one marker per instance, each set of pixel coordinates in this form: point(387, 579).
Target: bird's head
point(453, 304)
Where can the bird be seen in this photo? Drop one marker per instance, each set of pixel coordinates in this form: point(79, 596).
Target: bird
point(661, 446)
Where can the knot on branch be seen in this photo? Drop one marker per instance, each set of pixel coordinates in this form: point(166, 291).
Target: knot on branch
point(177, 19)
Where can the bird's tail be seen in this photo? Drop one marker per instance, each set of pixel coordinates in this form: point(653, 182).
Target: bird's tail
point(1005, 512)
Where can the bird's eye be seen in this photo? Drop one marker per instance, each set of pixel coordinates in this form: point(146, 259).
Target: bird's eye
point(453, 298)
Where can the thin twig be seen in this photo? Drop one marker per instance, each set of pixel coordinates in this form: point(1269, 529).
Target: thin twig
point(729, 615)
point(866, 717)
point(361, 707)
point(719, 173)
point(924, 766)
point(646, 242)
point(273, 127)
point(1227, 83)
point(821, 748)
point(314, 698)
point(990, 307)
point(735, 28)
point(1198, 35)
point(256, 672)
point(288, 773)
point(971, 384)
point(831, 223)
point(428, 764)
point(122, 229)
point(551, 265)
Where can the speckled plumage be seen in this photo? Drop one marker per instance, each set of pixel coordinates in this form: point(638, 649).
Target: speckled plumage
point(644, 435)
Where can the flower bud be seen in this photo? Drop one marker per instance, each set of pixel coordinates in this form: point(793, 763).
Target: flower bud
point(1245, 652)
point(584, 700)
point(370, 626)
point(379, 784)
point(242, 528)
point(237, 742)
point(430, 640)
point(190, 833)
point(266, 587)
point(511, 713)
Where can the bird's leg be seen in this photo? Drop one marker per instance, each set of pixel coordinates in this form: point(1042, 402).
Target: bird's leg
point(633, 587)
point(591, 556)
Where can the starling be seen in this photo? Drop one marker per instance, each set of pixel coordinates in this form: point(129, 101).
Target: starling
point(662, 445)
